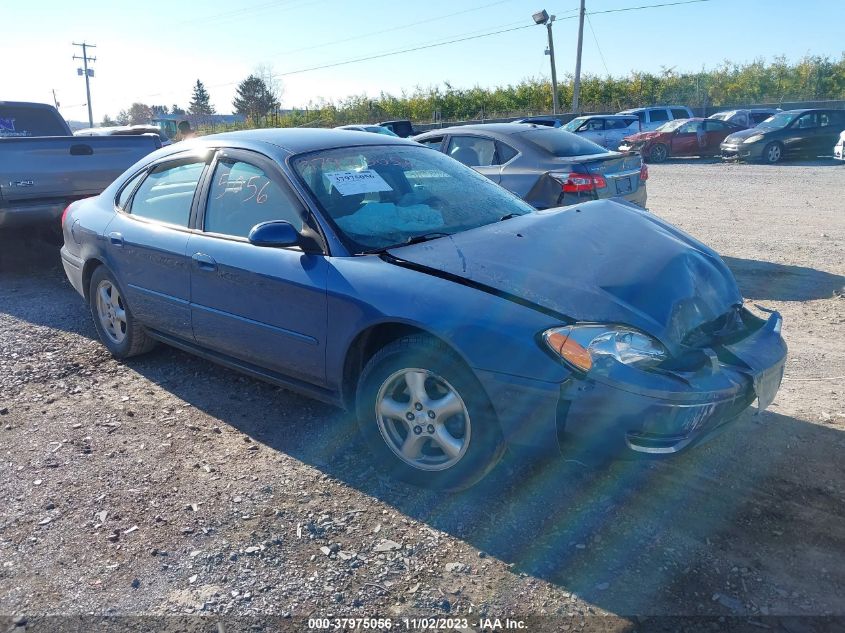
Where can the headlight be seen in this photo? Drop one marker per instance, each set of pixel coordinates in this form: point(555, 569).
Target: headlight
point(583, 345)
point(754, 139)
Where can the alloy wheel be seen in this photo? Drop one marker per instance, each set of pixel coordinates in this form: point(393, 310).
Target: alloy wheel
point(111, 311)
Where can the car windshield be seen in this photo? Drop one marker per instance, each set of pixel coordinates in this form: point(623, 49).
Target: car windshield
point(380, 130)
point(671, 126)
point(574, 124)
point(721, 116)
point(562, 144)
point(389, 195)
point(778, 121)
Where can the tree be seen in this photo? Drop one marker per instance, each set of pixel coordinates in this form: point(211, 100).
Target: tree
point(122, 117)
point(139, 113)
point(274, 85)
point(200, 101)
point(108, 121)
point(159, 110)
point(175, 109)
point(254, 99)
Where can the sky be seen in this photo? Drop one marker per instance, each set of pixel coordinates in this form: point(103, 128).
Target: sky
point(154, 52)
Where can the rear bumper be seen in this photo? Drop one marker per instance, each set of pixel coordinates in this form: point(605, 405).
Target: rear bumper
point(657, 414)
point(31, 214)
point(73, 269)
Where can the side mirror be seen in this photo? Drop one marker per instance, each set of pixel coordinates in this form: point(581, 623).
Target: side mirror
point(280, 234)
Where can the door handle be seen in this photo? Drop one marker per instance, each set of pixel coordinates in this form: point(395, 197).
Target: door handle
point(81, 150)
point(204, 262)
point(116, 238)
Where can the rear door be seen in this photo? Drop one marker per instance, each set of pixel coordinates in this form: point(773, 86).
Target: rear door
point(716, 132)
point(265, 306)
point(831, 123)
point(146, 244)
point(478, 152)
point(617, 129)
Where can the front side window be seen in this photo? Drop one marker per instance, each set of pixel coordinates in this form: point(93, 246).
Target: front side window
point(242, 195)
point(383, 196)
point(594, 125)
point(617, 124)
point(808, 121)
point(434, 142)
point(473, 151)
point(658, 115)
point(167, 192)
point(689, 127)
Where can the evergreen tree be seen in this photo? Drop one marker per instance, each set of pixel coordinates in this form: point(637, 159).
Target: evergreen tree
point(200, 101)
point(254, 99)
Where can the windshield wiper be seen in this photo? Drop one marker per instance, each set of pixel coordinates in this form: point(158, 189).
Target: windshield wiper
point(509, 216)
point(425, 237)
point(416, 239)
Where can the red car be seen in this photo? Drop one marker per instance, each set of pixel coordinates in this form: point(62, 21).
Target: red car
point(681, 137)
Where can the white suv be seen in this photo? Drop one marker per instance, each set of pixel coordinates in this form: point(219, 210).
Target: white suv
point(653, 117)
point(839, 148)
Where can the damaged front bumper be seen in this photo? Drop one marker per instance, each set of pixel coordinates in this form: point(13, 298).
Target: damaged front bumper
point(619, 408)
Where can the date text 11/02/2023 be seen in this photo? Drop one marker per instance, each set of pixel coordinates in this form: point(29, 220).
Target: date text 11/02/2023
point(415, 624)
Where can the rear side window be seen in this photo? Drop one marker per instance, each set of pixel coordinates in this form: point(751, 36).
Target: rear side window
point(126, 192)
point(562, 144)
point(506, 152)
point(167, 193)
point(242, 195)
point(714, 126)
point(661, 115)
point(679, 113)
point(434, 142)
point(18, 121)
point(473, 151)
point(618, 124)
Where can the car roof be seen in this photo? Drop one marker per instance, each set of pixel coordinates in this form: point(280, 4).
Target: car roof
point(297, 140)
point(503, 129)
point(605, 116)
point(654, 107)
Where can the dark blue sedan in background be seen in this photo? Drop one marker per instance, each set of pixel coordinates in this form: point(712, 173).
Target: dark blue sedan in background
point(448, 314)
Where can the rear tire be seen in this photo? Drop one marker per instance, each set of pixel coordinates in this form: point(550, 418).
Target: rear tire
point(425, 417)
point(773, 153)
point(116, 326)
point(658, 153)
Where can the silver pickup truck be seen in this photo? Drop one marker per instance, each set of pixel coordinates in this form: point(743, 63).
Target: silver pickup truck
point(43, 167)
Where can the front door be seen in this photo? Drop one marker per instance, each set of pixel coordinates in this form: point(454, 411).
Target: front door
point(265, 306)
point(687, 139)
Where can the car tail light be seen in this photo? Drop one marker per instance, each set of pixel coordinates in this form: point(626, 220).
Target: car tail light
point(64, 213)
point(643, 173)
point(576, 183)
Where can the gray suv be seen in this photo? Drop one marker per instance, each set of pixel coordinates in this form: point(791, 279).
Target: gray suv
point(653, 117)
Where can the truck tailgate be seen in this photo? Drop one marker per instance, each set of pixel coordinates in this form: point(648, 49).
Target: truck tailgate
point(48, 167)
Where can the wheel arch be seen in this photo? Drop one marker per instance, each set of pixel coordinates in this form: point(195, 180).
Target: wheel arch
point(88, 269)
point(369, 341)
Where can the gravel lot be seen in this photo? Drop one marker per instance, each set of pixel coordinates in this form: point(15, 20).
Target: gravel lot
point(168, 485)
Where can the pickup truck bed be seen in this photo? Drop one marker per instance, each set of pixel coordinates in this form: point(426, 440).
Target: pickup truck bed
point(41, 175)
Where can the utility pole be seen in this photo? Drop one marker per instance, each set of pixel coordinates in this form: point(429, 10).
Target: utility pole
point(88, 73)
point(576, 89)
point(55, 101)
point(543, 17)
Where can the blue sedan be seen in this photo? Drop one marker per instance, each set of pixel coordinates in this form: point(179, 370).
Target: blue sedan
point(449, 315)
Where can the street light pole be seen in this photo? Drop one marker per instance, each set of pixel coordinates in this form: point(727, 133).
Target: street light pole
point(542, 17)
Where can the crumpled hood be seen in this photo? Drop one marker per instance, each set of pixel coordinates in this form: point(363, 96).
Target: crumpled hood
point(601, 261)
point(643, 137)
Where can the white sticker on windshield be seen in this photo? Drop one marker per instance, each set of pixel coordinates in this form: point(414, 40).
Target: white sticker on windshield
point(351, 182)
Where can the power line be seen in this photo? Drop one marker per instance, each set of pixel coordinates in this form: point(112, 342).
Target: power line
point(393, 28)
point(649, 6)
point(596, 39)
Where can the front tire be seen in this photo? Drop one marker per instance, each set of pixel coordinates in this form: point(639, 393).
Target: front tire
point(773, 153)
point(658, 153)
point(116, 326)
point(425, 417)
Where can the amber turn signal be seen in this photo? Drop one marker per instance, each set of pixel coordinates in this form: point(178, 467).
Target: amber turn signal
point(569, 350)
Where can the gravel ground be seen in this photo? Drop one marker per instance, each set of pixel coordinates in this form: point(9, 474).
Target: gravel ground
point(167, 485)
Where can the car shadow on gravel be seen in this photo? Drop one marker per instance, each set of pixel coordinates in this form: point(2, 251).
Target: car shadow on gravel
point(782, 282)
point(643, 537)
